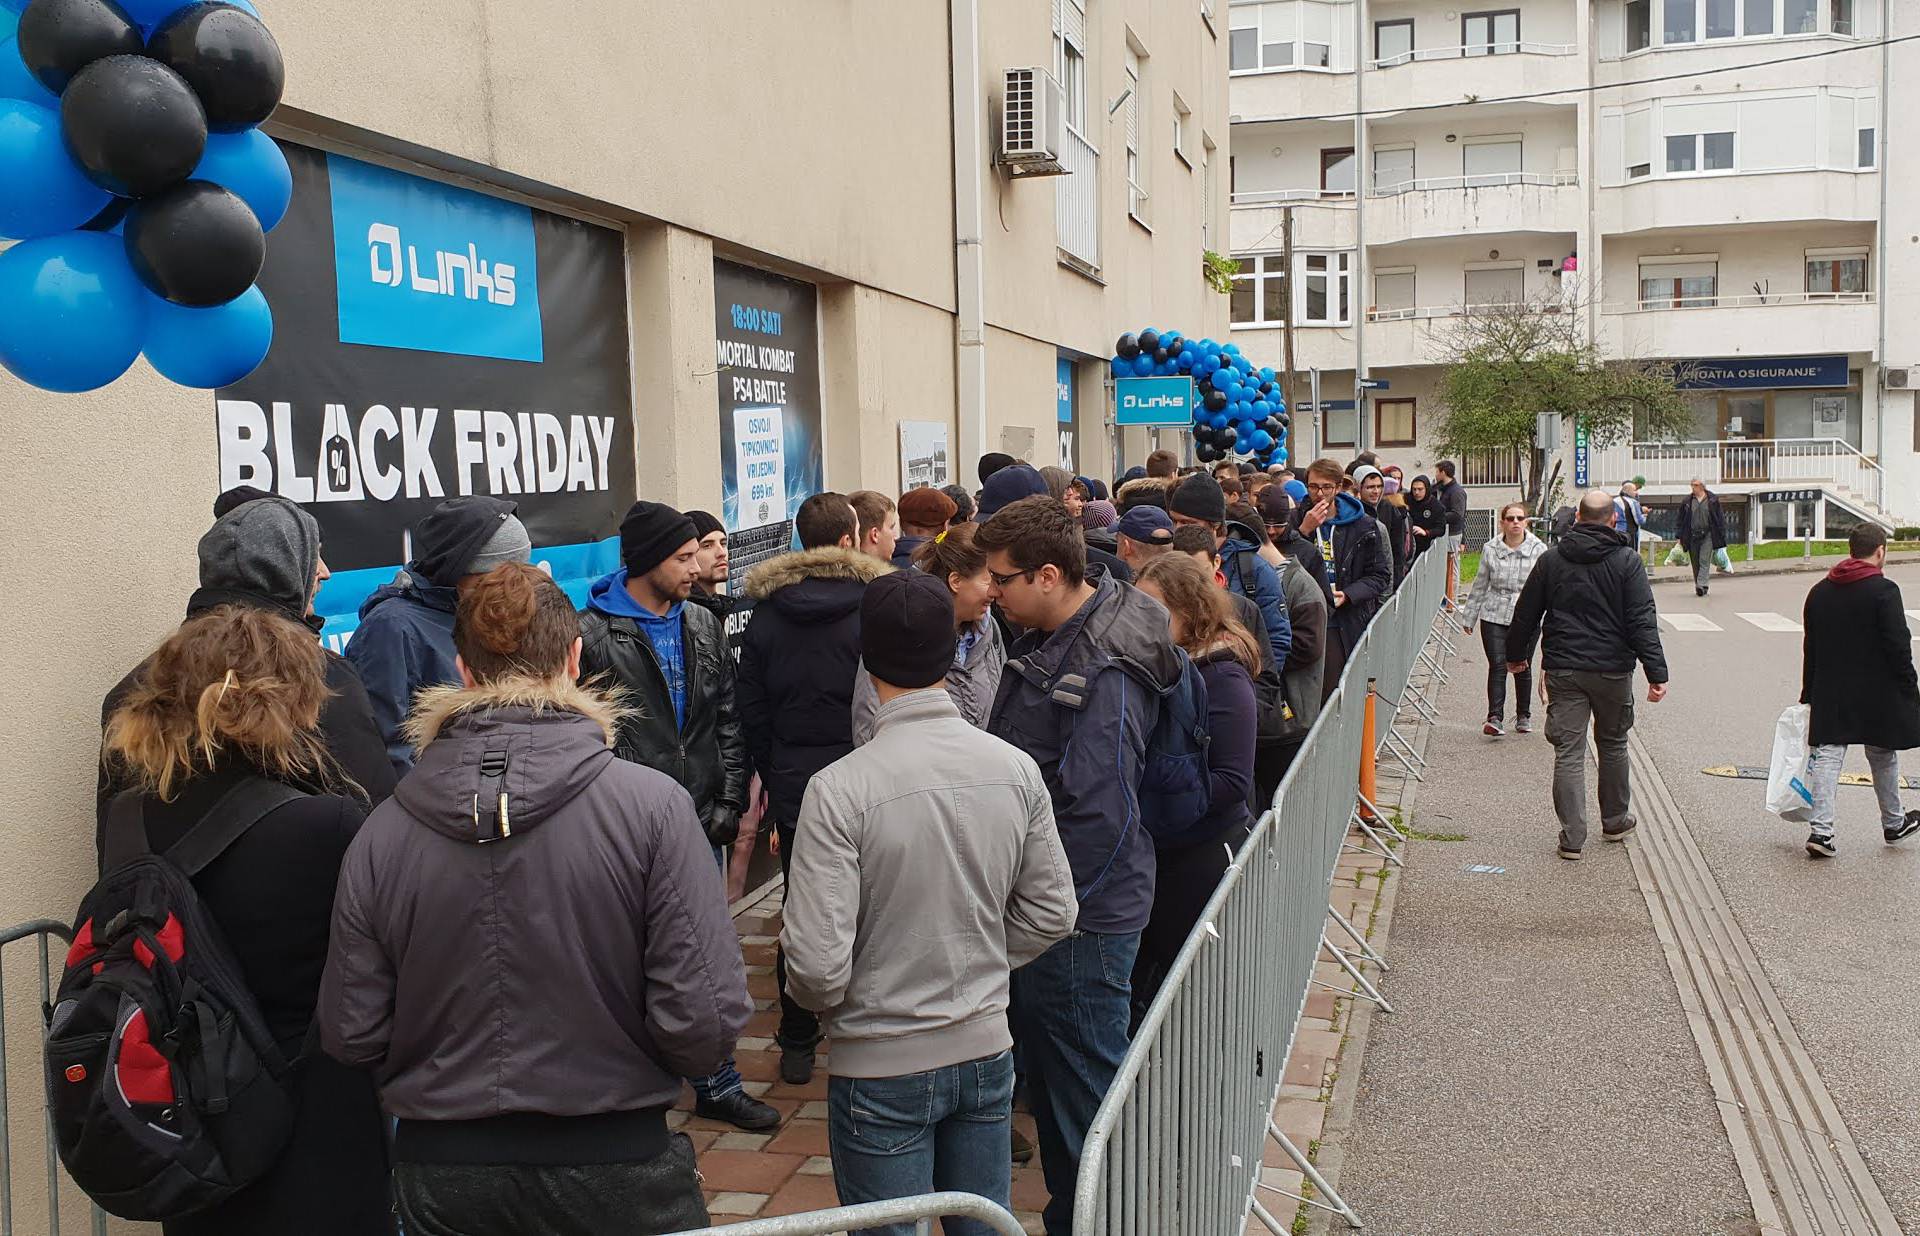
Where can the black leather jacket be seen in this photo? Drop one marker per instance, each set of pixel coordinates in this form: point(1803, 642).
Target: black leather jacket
point(708, 757)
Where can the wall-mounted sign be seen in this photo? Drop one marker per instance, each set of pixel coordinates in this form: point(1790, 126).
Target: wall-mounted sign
point(924, 458)
point(1759, 372)
point(1063, 408)
point(1787, 495)
point(1153, 401)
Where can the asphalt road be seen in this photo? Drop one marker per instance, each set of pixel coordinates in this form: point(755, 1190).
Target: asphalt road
point(1540, 1075)
point(1839, 939)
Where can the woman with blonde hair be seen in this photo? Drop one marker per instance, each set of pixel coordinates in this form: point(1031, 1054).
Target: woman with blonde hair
point(223, 719)
point(1201, 622)
point(531, 947)
point(1505, 563)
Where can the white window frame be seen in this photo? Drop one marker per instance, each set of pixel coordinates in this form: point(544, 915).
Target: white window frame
point(1413, 169)
point(1700, 167)
point(1491, 139)
point(1251, 16)
point(1070, 67)
point(1413, 292)
point(1678, 299)
point(1266, 267)
point(1829, 154)
point(1844, 253)
point(1825, 24)
point(1138, 195)
point(1338, 273)
point(1181, 115)
point(1471, 268)
point(1206, 191)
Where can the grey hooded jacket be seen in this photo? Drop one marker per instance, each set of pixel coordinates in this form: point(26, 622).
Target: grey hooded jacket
point(581, 965)
point(972, 685)
point(926, 867)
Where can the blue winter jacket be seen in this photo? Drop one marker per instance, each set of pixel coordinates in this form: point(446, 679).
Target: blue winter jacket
point(1254, 578)
point(1082, 701)
point(404, 643)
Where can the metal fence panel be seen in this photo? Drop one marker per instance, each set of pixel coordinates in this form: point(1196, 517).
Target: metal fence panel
point(920, 1211)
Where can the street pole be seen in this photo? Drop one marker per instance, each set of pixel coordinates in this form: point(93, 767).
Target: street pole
point(1357, 288)
point(1286, 334)
point(1314, 419)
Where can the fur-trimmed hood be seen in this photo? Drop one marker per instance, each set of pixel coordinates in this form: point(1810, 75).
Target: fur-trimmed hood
point(554, 737)
point(815, 586)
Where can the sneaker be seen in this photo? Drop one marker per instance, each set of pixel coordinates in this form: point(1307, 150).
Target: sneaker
point(796, 1065)
point(1523, 725)
point(1904, 829)
point(1699, 591)
point(1022, 1148)
point(1621, 834)
point(1820, 845)
point(739, 1109)
point(1492, 728)
point(1572, 856)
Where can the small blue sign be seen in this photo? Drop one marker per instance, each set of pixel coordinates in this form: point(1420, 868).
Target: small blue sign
point(1153, 401)
point(1063, 390)
point(1373, 384)
point(432, 268)
point(1735, 373)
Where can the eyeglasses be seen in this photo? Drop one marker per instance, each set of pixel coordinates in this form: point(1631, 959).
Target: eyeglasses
point(1001, 581)
point(1513, 519)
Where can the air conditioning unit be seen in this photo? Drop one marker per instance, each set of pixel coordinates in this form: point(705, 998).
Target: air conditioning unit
point(1032, 124)
point(1898, 379)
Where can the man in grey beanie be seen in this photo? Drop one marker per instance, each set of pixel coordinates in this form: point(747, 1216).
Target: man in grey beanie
point(263, 552)
point(405, 639)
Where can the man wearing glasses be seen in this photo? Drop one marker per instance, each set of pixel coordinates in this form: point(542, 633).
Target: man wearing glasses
point(1354, 548)
point(1080, 694)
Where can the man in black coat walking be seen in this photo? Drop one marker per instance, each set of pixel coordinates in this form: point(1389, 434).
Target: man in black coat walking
point(1590, 597)
point(1857, 676)
point(1701, 529)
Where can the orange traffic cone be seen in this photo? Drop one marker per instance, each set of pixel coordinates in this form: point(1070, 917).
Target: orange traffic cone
point(1368, 792)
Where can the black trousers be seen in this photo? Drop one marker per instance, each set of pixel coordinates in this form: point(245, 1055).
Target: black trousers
point(799, 1028)
point(595, 1199)
point(1493, 640)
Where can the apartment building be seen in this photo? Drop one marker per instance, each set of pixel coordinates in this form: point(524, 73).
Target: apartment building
point(1702, 182)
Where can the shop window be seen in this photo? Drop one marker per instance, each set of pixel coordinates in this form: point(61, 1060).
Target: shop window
point(1393, 422)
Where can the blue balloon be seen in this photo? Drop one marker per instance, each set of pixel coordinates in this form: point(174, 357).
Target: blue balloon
point(9, 21)
point(252, 165)
point(1262, 440)
point(72, 312)
point(45, 190)
point(209, 347)
point(1266, 374)
point(1185, 362)
point(16, 82)
point(1122, 367)
point(1218, 420)
point(15, 7)
point(1262, 409)
point(1142, 365)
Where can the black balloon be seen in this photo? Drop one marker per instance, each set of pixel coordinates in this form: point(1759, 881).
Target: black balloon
point(1176, 346)
point(1159, 356)
point(110, 214)
point(228, 57)
point(133, 125)
point(1127, 346)
point(1203, 435)
point(1206, 454)
point(1283, 418)
point(58, 38)
point(197, 245)
point(1149, 340)
point(1216, 401)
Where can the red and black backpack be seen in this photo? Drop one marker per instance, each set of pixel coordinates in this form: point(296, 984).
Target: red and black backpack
point(167, 1091)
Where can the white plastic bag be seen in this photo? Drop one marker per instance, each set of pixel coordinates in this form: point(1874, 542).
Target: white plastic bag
point(1787, 794)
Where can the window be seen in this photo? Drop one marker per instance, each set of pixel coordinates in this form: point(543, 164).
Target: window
point(1842, 17)
point(1393, 422)
point(1699, 152)
point(1070, 60)
point(1800, 17)
point(1181, 115)
point(1393, 293)
point(1832, 272)
point(1640, 23)
point(1393, 42)
point(1206, 192)
point(1679, 21)
point(1498, 285)
point(1392, 170)
point(1865, 153)
point(1260, 291)
point(1638, 170)
point(1282, 35)
point(1490, 34)
point(1339, 424)
point(1243, 49)
point(1757, 17)
point(1316, 35)
point(1336, 171)
point(1326, 280)
point(1136, 124)
point(1685, 283)
point(1720, 18)
point(1489, 160)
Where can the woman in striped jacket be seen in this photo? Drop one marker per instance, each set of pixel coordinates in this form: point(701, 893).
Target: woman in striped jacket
point(1505, 563)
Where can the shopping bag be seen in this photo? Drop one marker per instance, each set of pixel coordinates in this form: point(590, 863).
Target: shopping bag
point(1722, 560)
point(1677, 556)
point(1787, 793)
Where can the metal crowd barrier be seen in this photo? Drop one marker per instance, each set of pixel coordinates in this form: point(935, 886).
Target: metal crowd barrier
point(920, 1211)
point(41, 930)
point(1179, 1144)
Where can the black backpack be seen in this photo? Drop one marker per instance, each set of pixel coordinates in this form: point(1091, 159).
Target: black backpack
point(167, 1092)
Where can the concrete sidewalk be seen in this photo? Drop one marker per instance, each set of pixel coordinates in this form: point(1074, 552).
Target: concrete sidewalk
point(1540, 1075)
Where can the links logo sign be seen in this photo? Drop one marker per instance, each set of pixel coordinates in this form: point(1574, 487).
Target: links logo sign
point(432, 268)
point(1153, 401)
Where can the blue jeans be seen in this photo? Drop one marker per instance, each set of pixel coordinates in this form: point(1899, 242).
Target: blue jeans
point(1070, 1011)
point(947, 1129)
point(724, 1080)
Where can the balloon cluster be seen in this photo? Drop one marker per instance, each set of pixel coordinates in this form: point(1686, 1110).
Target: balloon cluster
point(1241, 411)
point(140, 187)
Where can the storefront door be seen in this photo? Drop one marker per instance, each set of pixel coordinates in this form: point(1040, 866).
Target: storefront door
point(1745, 456)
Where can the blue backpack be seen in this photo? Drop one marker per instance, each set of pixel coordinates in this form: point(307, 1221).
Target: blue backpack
point(1175, 790)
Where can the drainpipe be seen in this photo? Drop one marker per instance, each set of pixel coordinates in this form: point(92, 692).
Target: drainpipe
point(969, 262)
point(1359, 291)
point(1880, 246)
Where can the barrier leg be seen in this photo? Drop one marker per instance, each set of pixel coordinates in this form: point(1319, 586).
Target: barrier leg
point(1396, 829)
point(1364, 987)
point(1334, 1204)
point(1368, 743)
point(1360, 941)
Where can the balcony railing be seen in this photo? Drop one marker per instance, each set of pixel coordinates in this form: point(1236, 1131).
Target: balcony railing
point(1752, 461)
point(1076, 202)
point(1486, 181)
point(1272, 197)
point(1475, 50)
point(1494, 466)
point(1423, 312)
point(1755, 300)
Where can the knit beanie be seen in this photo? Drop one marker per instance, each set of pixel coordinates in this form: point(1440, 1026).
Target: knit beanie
point(907, 635)
point(1009, 484)
point(1200, 497)
point(1098, 514)
point(651, 533)
point(509, 543)
point(992, 462)
point(704, 524)
point(925, 508)
point(962, 504)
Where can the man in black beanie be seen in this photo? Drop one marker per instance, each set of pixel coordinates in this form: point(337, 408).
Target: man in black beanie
point(712, 576)
point(638, 633)
point(1200, 500)
point(933, 833)
point(992, 462)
